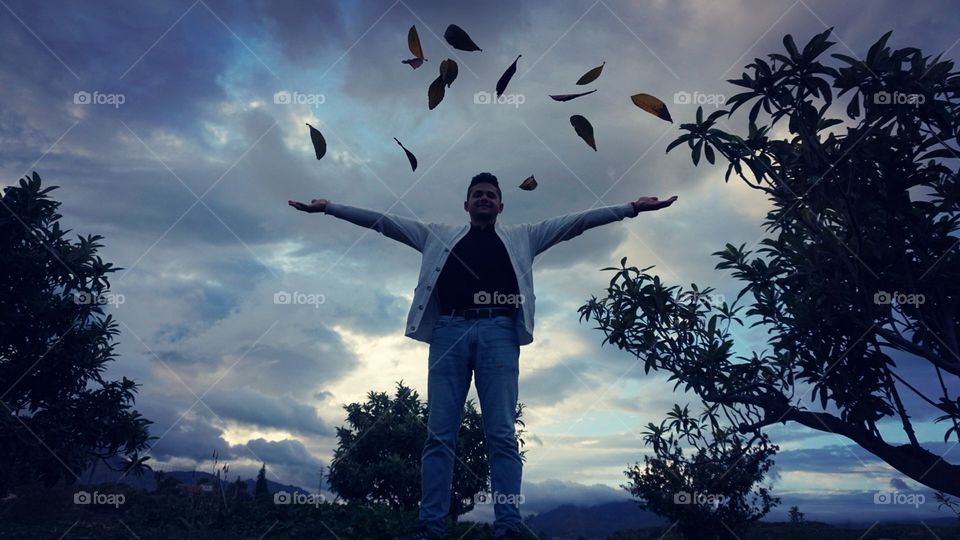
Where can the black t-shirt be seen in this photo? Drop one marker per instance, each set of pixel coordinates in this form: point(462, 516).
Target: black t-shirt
point(478, 273)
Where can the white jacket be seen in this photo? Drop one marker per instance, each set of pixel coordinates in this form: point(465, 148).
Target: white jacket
point(435, 240)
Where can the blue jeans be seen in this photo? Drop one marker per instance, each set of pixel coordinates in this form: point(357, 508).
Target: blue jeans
point(490, 349)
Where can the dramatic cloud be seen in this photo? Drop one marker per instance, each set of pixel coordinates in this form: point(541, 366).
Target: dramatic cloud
point(249, 325)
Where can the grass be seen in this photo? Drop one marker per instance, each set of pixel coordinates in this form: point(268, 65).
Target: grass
point(42, 513)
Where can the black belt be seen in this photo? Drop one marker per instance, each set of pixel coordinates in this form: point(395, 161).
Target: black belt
point(483, 313)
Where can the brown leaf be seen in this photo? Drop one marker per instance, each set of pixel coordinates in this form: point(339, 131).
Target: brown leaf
point(435, 92)
point(652, 105)
point(584, 130)
point(458, 39)
point(319, 143)
point(410, 157)
point(568, 97)
point(507, 75)
point(529, 184)
point(413, 41)
point(448, 70)
point(591, 75)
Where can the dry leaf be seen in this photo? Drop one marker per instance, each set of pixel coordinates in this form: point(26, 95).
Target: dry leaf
point(507, 75)
point(584, 130)
point(529, 184)
point(591, 75)
point(410, 157)
point(568, 97)
point(435, 92)
point(652, 105)
point(413, 41)
point(319, 144)
point(448, 70)
point(458, 39)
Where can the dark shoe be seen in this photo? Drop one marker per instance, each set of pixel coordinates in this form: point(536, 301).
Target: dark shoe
point(422, 533)
point(509, 535)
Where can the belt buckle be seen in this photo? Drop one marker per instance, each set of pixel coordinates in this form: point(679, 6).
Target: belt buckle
point(476, 313)
point(484, 312)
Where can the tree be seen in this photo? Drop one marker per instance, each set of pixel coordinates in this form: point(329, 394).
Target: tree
point(261, 492)
point(796, 516)
point(714, 491)
point(59, 415)
point(377, 459)
point(859, 263)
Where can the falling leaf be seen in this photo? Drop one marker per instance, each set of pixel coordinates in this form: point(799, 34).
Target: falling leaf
point(410, 156)
point(413, 42)
point(568, 97)
point(652, 105)
point(448, 70)
point(529, 184)
point(319, 144)
point(591, 75)
point(507, 75)
point(584, 130)
point(458, 39)
point(435, 92)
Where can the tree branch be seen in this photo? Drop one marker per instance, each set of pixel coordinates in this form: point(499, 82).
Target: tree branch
point(898, 342)
point(916, 462)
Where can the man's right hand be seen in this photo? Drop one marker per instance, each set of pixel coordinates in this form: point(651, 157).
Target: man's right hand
point(316, 205)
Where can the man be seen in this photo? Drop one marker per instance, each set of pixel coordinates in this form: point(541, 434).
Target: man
point(474, 305)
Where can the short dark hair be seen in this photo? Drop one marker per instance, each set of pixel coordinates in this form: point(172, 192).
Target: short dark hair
point(485, 178)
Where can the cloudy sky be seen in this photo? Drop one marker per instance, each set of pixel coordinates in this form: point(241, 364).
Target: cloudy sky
point(160, 123)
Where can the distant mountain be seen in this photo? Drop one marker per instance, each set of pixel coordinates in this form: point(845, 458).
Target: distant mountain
point(929, 522)
point(568, 522)
point(147, 482)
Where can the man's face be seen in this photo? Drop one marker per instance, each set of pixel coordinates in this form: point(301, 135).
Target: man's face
point(483, 201)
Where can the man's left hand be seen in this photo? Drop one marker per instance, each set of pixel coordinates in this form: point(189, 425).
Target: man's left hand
point(645, 204)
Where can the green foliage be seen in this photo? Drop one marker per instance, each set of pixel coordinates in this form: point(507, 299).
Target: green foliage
point(860, 259)
point(711, 492)
point(41, 513)
point(377, 459)
point(59, 414)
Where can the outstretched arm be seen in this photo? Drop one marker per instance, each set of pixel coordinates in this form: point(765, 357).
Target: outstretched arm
point(646, 204)
point(547, 233)
point(408, 231)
